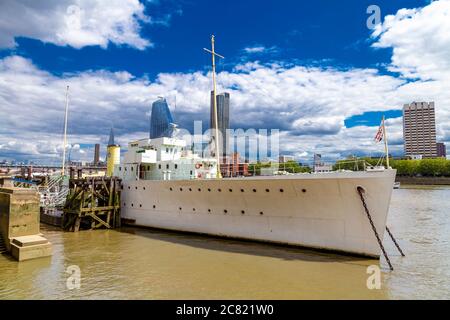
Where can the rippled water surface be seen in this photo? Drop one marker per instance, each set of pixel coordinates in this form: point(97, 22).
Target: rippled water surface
point(133, 263)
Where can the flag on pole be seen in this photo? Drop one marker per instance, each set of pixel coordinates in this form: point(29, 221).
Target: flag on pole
point(380, 133)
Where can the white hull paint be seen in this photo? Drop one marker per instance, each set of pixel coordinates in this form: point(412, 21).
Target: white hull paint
point(321, 211)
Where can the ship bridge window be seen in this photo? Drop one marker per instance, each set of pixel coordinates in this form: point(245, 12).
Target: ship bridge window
point(120, 168)
point(132, 168)
point(176, 166)
point(167, 150)
point(167, 166)
point(159, 166)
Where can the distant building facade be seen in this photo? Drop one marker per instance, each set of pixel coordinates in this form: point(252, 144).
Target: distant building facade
point(232, 166)
point(161, 121)
point(419, 130)
point(441, 150)
point(97, 154)
point(285, 158)
point(223, 118)
point(319, 165)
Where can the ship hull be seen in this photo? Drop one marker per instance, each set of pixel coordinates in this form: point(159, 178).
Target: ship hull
point(322, 211)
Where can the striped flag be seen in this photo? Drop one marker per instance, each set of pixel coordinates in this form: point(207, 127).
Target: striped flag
point(379, 135)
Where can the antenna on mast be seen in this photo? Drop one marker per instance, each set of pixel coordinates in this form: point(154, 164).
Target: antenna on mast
point(216, 131)
point(65, 132)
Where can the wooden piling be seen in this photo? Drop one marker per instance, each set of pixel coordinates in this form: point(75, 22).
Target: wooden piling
point(92, 203)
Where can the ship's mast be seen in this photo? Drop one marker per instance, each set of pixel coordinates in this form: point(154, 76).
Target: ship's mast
point(65, 132)
point(216, 129)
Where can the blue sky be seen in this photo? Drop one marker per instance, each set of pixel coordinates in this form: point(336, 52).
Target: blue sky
point(344, 75)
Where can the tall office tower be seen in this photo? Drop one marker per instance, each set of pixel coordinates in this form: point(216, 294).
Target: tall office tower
point(97, 154)
point(223, 118)
point(419, 129)
point(161, 121)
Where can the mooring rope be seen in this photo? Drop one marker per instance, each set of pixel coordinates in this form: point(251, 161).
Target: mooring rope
point(360, 191)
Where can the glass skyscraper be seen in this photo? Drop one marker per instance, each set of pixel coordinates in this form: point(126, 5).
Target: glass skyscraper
point(223, 118)
point(161, 121)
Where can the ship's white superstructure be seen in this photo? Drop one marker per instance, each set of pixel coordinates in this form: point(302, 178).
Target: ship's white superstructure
point(166, 187)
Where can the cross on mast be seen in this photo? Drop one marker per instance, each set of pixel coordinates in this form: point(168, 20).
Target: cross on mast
point(216, 131)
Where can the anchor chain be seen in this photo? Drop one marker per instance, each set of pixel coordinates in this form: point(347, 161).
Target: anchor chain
point(360, 191)
point(395, 242)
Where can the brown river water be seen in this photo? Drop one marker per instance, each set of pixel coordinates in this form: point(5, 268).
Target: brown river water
point(133, 263)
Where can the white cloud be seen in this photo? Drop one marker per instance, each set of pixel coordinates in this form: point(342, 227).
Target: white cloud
point(420, 39)
point(308, 104)
point(258, 49)
point(75, 23)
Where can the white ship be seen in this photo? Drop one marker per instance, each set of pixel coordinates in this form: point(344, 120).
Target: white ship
point(166, 186)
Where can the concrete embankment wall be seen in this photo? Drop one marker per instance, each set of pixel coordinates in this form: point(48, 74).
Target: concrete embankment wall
point(19, 224)
point(423, 180)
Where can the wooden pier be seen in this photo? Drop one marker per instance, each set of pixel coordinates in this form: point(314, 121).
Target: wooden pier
point(92, 203)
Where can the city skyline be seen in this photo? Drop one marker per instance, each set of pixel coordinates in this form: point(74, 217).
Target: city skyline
point(324, 79)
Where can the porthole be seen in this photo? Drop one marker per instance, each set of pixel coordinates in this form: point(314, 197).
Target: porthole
point(243, 211)
point(303, 190)
point(231, 190)
point(254, 190)
point(170, 189)
point(143, 188)
point(242, 190)
point(209, 210)
point(225, 211)
point(140, 206)
point(179, 208)
point(281, 190)
point(181, 189)
point(209, 190)
point(267, 190)
point(129, 187)
point(193, 209)
point(199, 190)
point(154, 206)
point(261, 213)
point(135, 188)
point(124, 204)
point(190, 189)
point(220, 190)
point(132, 205)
